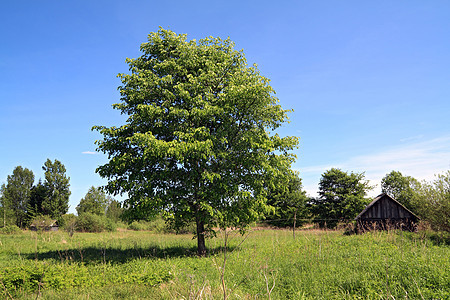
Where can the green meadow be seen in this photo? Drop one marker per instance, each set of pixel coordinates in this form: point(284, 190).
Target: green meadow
point(263, 264)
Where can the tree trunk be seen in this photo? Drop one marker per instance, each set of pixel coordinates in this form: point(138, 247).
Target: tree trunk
point(201, 246)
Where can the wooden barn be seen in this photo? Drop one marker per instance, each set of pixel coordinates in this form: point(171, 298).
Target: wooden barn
point(52, 225)
point(383, 213)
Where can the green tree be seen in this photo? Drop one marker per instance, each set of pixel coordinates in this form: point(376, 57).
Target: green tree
point(57, 185)
point(198, 143)
point(89, 222)
point(114, 210)
point(2, 205)
point(16, 194)
point(289, 201)
point(401, 188)
point(434, 202)
point(5, 211)
point(70, 223)
point(38, 194)
point(94, 202)
point(341, 196)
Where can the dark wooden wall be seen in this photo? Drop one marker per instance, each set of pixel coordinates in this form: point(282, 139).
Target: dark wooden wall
point(384, 214)
point(385, 208)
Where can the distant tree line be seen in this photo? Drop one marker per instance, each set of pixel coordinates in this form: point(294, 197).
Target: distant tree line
point(343, 195)
point(21, 201)
point(97, 211)
point(430, 200)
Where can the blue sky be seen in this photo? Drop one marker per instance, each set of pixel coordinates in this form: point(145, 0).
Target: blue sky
point(369, 81)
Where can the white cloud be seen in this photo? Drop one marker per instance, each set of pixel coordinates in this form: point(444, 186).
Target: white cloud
point(90, 152)
point(412, 138)
point(421, 160)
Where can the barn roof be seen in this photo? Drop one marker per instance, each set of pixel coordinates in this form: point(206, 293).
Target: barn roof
point(378, 198)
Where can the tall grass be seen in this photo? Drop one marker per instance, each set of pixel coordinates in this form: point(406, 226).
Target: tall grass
point(269, 264)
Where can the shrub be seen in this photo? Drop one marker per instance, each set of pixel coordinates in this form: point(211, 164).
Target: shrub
point(138, 225)
point(433, 202)
point(187, 228)
point(142, 225)
point(89, 222)
point(10, 229)
point(110, 225)
point(121, 224)
point(70, 223)
point(158, 225)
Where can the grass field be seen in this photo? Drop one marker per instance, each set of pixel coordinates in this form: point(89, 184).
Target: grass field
point(268, 264)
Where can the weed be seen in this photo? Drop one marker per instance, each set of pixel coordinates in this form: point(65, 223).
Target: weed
point(270, 264)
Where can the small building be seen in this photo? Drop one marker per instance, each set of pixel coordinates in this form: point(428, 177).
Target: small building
point(44, 225)
point(384, 213)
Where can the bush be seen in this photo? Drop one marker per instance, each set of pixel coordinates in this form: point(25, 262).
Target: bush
point(139, 225)
point(110, 225)
point(70, 223)
point(10, 229)
point(89, 222)
point(433, 202)
point(121, 224)
point(187, 228)
point(158, 225)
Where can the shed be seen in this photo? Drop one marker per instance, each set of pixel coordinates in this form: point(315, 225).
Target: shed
point(384, 212)
point(49, 225)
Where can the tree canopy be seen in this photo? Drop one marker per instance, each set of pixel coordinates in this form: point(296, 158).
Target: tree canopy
point(198, 143)
point(16, 194)
point(401, 188)
point(434, 202)
point(289, 201)
point(57, 186)
point(341, 196)
point(114, 210)
point(38, 194)
point(95, 202)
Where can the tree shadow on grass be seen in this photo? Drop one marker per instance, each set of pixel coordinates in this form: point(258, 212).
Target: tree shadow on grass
point(98, 255)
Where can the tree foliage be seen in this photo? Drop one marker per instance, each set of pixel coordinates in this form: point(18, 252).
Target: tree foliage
point(114, 210)
point(95, 202)
point(89, 222)
point(57, 185)
point(401, 188)
point(6, 213)
point(198, 143)
point(429, 200)
point(434, 202)
point(341, 196)
point(289, 201)
point(38, 194)
point(16, 194)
